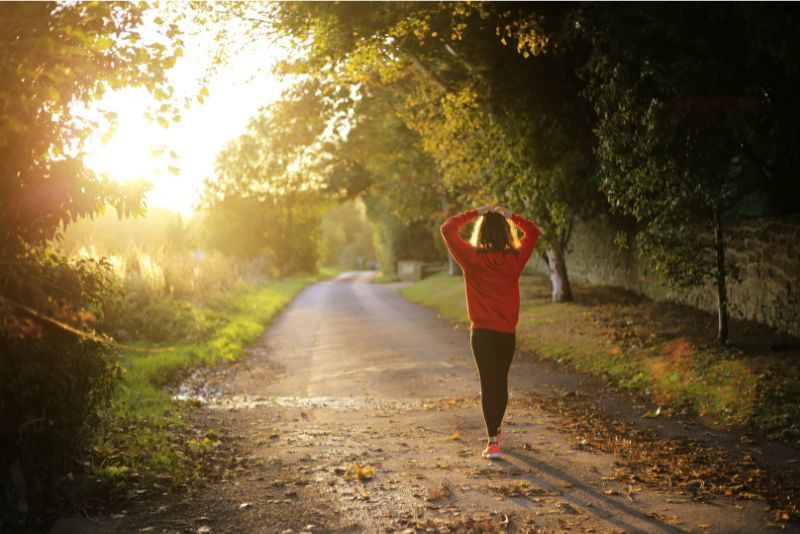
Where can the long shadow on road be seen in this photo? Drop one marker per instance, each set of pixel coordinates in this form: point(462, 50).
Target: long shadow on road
point(618, 514)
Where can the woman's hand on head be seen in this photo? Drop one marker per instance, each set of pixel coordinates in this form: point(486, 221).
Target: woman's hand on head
point(484, 209)
point(505, 212)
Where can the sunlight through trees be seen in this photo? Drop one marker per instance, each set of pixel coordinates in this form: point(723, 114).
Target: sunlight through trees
point(320, 134)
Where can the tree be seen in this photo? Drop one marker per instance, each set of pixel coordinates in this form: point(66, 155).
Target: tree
point(402, 191)
point(270, 175)
point(53, 58)
point(500, 122)
point(682, 93)
point(348, 237)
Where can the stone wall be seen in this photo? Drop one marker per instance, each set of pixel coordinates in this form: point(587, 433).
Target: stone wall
point(766, 250)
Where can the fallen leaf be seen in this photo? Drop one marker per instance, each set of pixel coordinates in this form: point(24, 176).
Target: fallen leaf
point(653, 415)
point(365, 472)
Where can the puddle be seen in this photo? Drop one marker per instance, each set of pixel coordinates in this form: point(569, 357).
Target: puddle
point(331, 403)
point(197, 389)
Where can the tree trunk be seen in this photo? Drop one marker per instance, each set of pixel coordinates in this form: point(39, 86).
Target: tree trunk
point(386, 254)
point(453, 269)
point(722, 292)
point(561, 290)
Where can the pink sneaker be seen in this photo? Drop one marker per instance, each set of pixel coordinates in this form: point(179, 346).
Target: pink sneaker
point(492, 451)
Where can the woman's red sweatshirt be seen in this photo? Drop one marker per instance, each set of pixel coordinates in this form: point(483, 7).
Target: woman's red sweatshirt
point(491, 279)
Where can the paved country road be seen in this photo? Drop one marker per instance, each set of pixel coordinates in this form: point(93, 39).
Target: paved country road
point(359, 411)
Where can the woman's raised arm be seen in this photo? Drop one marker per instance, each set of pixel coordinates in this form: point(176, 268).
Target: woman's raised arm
point(460, 249)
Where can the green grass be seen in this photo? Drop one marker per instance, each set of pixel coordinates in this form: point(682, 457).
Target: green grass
point(638, 347)
point(142, 392)
point(143, 433)
point(441, 292)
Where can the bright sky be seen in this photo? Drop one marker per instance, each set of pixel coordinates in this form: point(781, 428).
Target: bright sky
point(236, 91)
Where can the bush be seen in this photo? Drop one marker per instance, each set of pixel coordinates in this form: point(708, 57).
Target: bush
point(137, 316)
point(52, 390)
point(56, 385)
point(157, 291)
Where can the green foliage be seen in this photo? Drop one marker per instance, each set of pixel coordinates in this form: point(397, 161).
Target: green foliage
point(416, 241)
point(403, 178)
point(138, 316)
point(52, 389)
point(686, 135)
point(235, 225)
point(242, 316)
point(661, 161)
point(682, 135)
point(388, 227)
point(398, 182)
point(347, 236)
point(157, 292)
point(397, 239)
point(68, 291)
point(268, 190)
point(53, 57)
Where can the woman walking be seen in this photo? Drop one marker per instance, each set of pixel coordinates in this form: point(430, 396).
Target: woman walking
point(492, 263)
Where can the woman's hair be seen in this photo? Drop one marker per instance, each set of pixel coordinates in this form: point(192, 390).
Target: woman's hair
point(494, 233)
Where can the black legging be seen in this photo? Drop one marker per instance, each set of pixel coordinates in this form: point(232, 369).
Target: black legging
point(493, 352)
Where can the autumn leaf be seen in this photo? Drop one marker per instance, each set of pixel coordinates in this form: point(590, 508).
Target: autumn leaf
point(357, 471)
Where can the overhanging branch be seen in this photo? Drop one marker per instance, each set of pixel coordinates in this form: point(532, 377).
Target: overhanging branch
point(424, 70)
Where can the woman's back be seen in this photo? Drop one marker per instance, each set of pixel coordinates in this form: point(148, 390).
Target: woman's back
point(491, 278)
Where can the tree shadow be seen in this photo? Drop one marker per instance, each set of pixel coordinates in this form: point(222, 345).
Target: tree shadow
point(625, 517)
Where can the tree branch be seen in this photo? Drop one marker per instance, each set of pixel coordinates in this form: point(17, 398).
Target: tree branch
point(424, 70)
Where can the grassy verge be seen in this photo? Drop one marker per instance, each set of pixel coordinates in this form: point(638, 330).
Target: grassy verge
point(661, 351)
point(143, 439)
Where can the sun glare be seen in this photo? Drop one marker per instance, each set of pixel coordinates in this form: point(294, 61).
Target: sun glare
point(176, 159)
point(132, 151)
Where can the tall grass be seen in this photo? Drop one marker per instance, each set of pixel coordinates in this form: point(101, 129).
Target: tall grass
point(165, 295)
